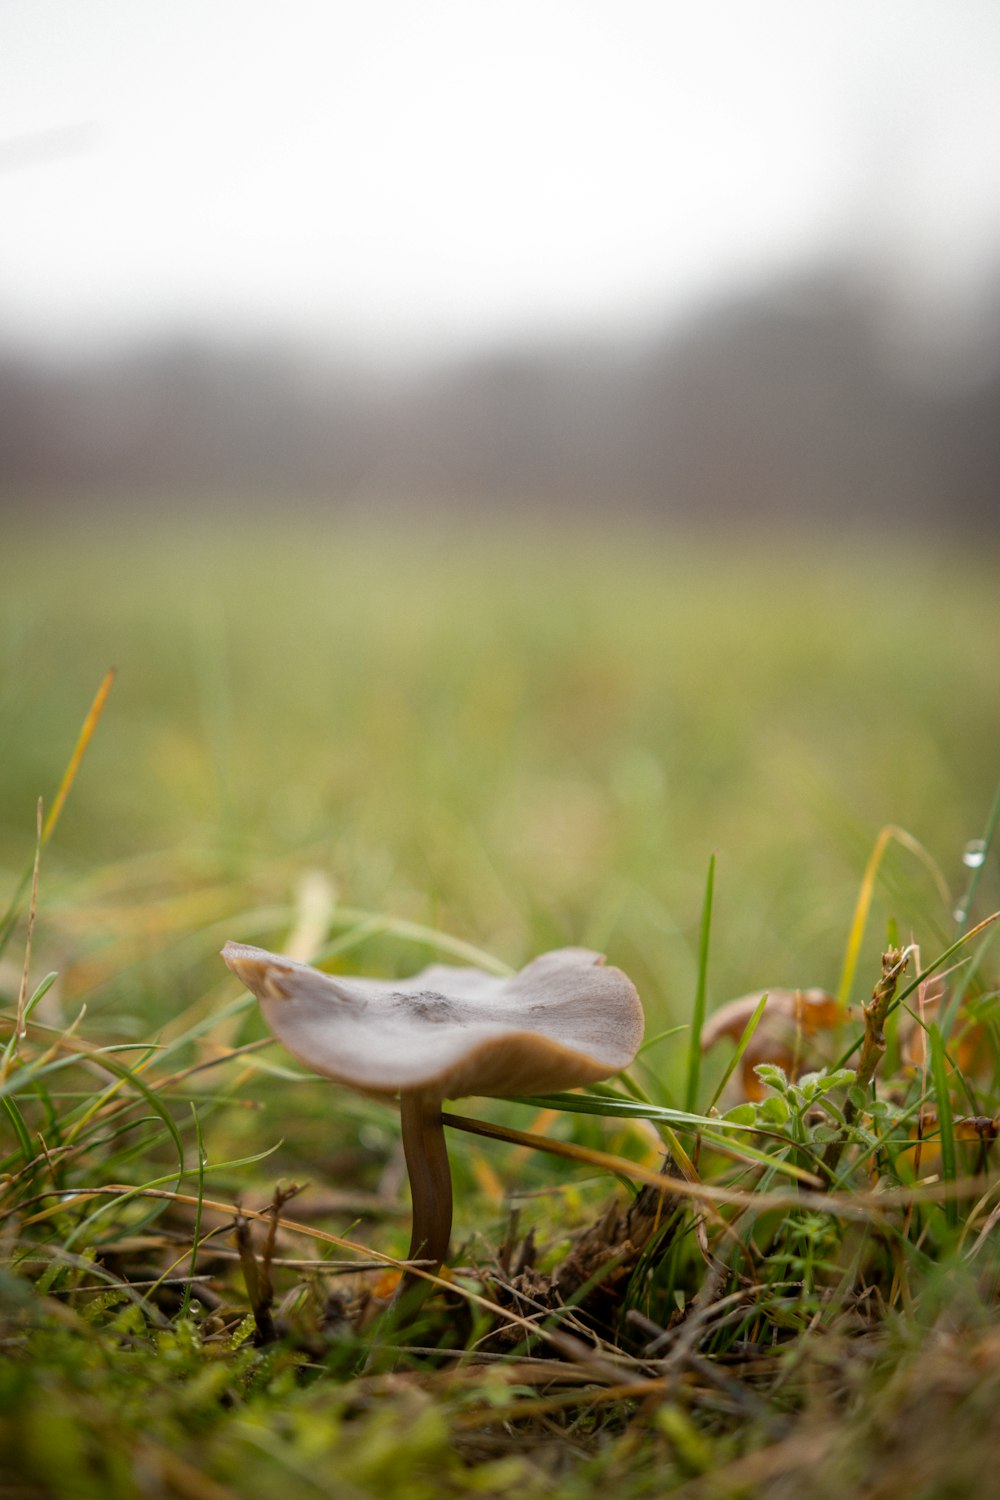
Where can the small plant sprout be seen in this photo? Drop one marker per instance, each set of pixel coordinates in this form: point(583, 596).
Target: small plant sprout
point(565, 1020)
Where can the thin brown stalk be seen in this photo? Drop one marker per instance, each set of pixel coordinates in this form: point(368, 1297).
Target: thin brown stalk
point(894, 963)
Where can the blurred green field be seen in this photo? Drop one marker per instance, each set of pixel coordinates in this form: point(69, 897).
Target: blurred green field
point(523, 736)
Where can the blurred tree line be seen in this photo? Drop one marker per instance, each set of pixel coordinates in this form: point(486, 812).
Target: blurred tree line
point(795, 401)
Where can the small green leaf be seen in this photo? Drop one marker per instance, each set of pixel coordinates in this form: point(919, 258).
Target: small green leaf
point(773, 1076)
point(839, 1078)
point(741, 1114)
point(774, 1110)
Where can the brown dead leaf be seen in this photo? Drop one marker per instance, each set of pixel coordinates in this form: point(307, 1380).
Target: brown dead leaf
point(789, 1033)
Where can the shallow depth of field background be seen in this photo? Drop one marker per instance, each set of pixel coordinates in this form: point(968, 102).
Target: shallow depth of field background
point(521, 738)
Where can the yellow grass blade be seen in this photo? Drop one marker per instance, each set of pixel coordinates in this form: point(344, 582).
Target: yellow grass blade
point(860, 919)
point(9, 918)
point(79, 750)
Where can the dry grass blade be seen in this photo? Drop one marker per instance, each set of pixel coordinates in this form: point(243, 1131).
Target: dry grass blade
point(69, 776)
point(621, 1166)
point(524, 1408)
point(860, 1206)
point(79, 751)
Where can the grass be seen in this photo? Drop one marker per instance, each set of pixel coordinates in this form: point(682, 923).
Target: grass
point(473, 744)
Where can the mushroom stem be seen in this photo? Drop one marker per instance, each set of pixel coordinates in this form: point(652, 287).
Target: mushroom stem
point(430, 1182)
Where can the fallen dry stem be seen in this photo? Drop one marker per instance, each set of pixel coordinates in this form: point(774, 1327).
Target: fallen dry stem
point(523, 1408)
point(862, 1207)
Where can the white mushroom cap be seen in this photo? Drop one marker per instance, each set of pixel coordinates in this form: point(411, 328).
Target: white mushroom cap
point(565, 1020)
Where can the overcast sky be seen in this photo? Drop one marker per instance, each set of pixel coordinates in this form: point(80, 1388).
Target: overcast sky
point(411, 174)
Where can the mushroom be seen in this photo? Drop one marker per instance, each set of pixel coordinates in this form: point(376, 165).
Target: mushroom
point(566, 1019)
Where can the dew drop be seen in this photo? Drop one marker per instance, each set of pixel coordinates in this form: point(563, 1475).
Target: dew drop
point(959, 914)
point(974, 854)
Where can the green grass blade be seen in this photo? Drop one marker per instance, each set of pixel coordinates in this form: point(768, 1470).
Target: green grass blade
point(709, 1126)
point(701, 995)
point(946, 1128)
point(661, 1036)
point(170, 1181)
point(196, 1231)
point(130, 1077)
point(365, 924)
point(942, 959)
point(926, 972)
point(629, 1109)
point(982, 855)
point(741, 1047)
point(20, 1129)
point(39, 993)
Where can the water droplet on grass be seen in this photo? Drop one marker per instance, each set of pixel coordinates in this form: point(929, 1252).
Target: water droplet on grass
point(974, 854)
